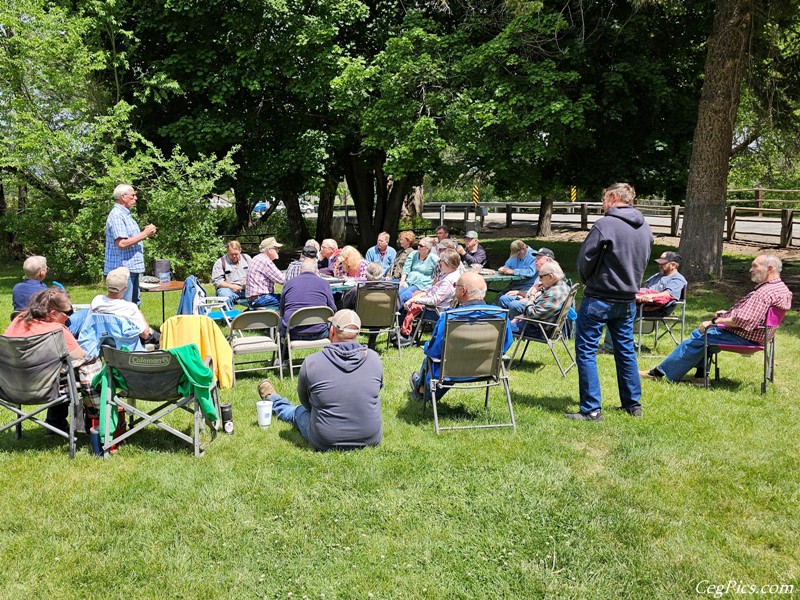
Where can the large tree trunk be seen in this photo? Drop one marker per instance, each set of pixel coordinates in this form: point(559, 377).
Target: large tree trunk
point(701, 239)
point(373, 191)
point(412, 205)
point(361, 182)
point(327, 198)
point(543, 225)
point(297, 221)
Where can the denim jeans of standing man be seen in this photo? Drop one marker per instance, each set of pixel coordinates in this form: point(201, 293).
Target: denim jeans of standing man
point(618, 318)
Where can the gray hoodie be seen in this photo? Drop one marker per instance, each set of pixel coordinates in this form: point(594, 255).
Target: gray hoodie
point(614, 255)
point(340, 387)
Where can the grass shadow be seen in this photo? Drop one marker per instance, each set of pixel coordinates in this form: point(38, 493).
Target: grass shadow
point(556, 404)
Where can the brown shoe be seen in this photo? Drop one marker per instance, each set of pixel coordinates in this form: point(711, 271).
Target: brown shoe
point(266, 389)
point(651, 374)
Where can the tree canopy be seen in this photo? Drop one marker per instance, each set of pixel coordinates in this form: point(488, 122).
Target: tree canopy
point(530, 96)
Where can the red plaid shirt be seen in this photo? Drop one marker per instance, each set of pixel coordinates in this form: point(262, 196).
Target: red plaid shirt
point(750, 312)
point(262, 275)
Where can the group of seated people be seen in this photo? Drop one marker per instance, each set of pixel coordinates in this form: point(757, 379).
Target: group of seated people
point(44, 309)
point(435, 275)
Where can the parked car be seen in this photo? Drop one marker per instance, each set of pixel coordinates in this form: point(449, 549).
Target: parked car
point(305, 206)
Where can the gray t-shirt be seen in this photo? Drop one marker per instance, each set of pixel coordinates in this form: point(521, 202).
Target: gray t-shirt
point(225, 270)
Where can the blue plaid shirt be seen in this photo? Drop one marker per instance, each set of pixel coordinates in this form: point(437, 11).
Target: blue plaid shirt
point(120, 224)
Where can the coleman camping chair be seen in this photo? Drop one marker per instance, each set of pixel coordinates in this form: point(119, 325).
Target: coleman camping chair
point(176, 380)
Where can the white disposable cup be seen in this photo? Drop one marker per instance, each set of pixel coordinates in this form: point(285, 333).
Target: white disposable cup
point(264, 413)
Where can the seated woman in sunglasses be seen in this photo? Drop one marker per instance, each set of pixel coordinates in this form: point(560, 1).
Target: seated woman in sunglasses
point(49, 311)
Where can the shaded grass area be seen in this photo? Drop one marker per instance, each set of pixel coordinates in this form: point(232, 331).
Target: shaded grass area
point(704, 487)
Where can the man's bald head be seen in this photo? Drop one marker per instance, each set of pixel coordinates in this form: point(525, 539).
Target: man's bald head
point(472, 286)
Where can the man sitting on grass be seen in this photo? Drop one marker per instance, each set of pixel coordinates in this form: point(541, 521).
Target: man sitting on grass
point(742, 324)
point(470, 292)
point(338, 390)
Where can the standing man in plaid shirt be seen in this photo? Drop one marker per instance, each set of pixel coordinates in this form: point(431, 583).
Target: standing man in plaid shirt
point(263, 275)
point(124, 246)
point(743, 322)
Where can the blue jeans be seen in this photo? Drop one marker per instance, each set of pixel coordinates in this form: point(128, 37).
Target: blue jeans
point(265, 301)
point(618, 317)
point(131, 293)
point(297, 415)
point(689, 354)
point(76, 321)
point(405, 293)
point(514, 304)
point(230, 296)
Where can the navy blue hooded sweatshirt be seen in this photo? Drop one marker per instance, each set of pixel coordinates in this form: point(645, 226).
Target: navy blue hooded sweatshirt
point(340, 386)
point(614, 255)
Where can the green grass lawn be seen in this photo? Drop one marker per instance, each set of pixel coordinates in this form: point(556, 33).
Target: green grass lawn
point(702, 490)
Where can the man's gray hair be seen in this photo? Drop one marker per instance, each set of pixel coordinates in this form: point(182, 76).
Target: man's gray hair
point(309, 266)
point(552, 268)
point(374, 271)
point(623, 191)
point(330, 243)
point(121, 190)
point(770, 260)
point(32, 266)
point(313, 242)
point(345, 335)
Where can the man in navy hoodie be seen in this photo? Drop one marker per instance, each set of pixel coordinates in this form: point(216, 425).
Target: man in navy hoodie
point(611, 263)
point(338, 390)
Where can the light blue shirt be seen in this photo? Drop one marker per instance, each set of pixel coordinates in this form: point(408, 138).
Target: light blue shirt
point(120, 224)
point(419, 272)
point(374, 255)
point(524, 267)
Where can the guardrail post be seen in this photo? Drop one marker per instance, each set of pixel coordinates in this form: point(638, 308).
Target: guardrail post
point(466, 218)
point(441, 215)
point(509, 220)
point(731, 223)
point(674, 218)
point(760, 200)
point(584, 216)
point(787, 225)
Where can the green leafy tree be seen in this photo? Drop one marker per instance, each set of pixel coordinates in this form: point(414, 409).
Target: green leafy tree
point(61, 143)
point(743, 31)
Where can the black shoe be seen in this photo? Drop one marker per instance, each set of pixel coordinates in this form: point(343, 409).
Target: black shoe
point(595, 415)
point(653, 373)
point(405, 342)
point(636, 411)
point(415, 395)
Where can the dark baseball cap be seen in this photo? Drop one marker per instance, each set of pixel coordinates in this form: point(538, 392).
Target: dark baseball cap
point(668, 257)
point(545, 252)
